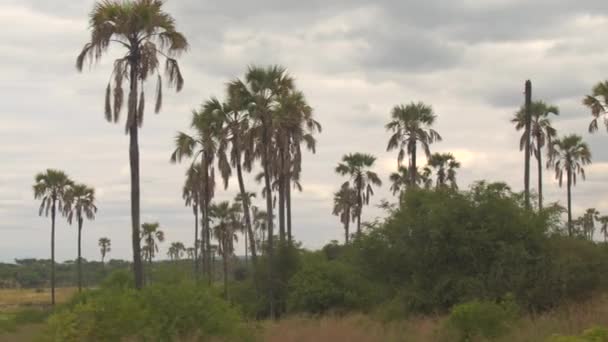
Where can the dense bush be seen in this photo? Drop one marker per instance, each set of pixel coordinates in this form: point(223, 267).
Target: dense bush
point(322, 286)
point(441, 248)
point(160, 312)
point(483, 319)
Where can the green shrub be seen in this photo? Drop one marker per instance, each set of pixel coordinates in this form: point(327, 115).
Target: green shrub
point(481, 319)
point(323, 286)
point(590, 335)
point(163, 312)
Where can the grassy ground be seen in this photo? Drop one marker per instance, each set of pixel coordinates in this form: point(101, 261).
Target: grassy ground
point(566, 320)
point(11, 299)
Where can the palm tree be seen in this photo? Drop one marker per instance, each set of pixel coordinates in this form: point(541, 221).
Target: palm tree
point(541, 134)
point(240, 199)
point(51, 187)
point(176, 250)
point(152, 236)
point(598, 103)
point(80, 203)
point(604, 229)
point(259, 227)
point(261, 91)
point(206, 124)
point(190, 252)
point(569, 154)
point(445, 166)
point(591, 215)
point(236, 118)
point(146, 33)
point(295, 125)
point(345, 206)
point(228, 224)
point(191, 195)
point(357, 166)
point(105, 246)
point(411, 125)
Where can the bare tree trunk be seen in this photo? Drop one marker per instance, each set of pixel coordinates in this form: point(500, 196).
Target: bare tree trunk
point(53, 253)
point(195, 210)
point(225, 257)
point(360, 207)
point(540, 176)
point(288, 208)
point(527, 146)
point(413, 167)
point(135, 192)
point(79, 254)
point(346, 226)
point(569, 176)
point(246, 210)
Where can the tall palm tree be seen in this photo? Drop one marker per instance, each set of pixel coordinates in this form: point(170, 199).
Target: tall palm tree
point(568, 155)
point(401, 180)
point(51, 187)
point(445, 166)
point(235, 116)
point(295, 124)
point(105, 246)
point(146, 33)
point(80, 204)
point(152, 236)
point(261, 90)
point(191, 195)
point(411, 125)
point(541, 134)
point(176, 250)
point(357, 166)
point(604, 229)
point(345, 206)
point(598, 103)
point(204, 143)
point(228, 224)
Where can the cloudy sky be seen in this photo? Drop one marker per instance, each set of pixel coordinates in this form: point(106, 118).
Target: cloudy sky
point(353, 59)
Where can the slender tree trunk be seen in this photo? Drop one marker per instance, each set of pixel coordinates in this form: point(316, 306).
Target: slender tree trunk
point(346, 226)
point(53, 253)
point(135, 192)
point(527, 146)
point(288, 208)
point(360, 207)
point(195, 210)
point(246, 210)
point(569, 176)
point(270, 225)
point(540, 175)
point(282, 231)
point(79, 254)
point(413, 167)
point(246, 249)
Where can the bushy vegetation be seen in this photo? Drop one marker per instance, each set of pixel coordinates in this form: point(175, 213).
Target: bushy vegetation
point(163, 312)
point(483, 319)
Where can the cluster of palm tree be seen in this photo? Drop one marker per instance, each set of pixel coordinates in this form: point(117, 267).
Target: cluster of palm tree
point(59, 194)
point(176, 251)
point(411, 127)
point(264, 119)
point(105, 246)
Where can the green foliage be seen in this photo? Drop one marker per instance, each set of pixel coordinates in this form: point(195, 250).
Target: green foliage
point(481, 319)
point(321, 286)
point(9, 322)
point(162, 312)
point(596, 334)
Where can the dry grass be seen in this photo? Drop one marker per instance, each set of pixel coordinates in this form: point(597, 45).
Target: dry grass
point(11, 299)
point(566, 320)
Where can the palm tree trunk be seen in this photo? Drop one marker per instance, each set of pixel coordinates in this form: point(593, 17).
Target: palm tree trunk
point(79, 254)
point(413, 168)
point(270, 227)
point(346, 226)
point(540, 175)
point(195, 210)
point(53, 253)
point(246, 211)
point(569, 176)
point(527, 146)
point(360, 208)
point(135, 192)
point(288, 208)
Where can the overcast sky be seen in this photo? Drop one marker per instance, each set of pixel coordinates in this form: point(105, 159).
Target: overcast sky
point(353, 59)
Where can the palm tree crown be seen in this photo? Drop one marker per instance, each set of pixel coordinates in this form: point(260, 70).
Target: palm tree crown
point(152, 236)
point(445, 166)
point(411, 125)
point(357, 167)
point(105, 246)
point(598, 103)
